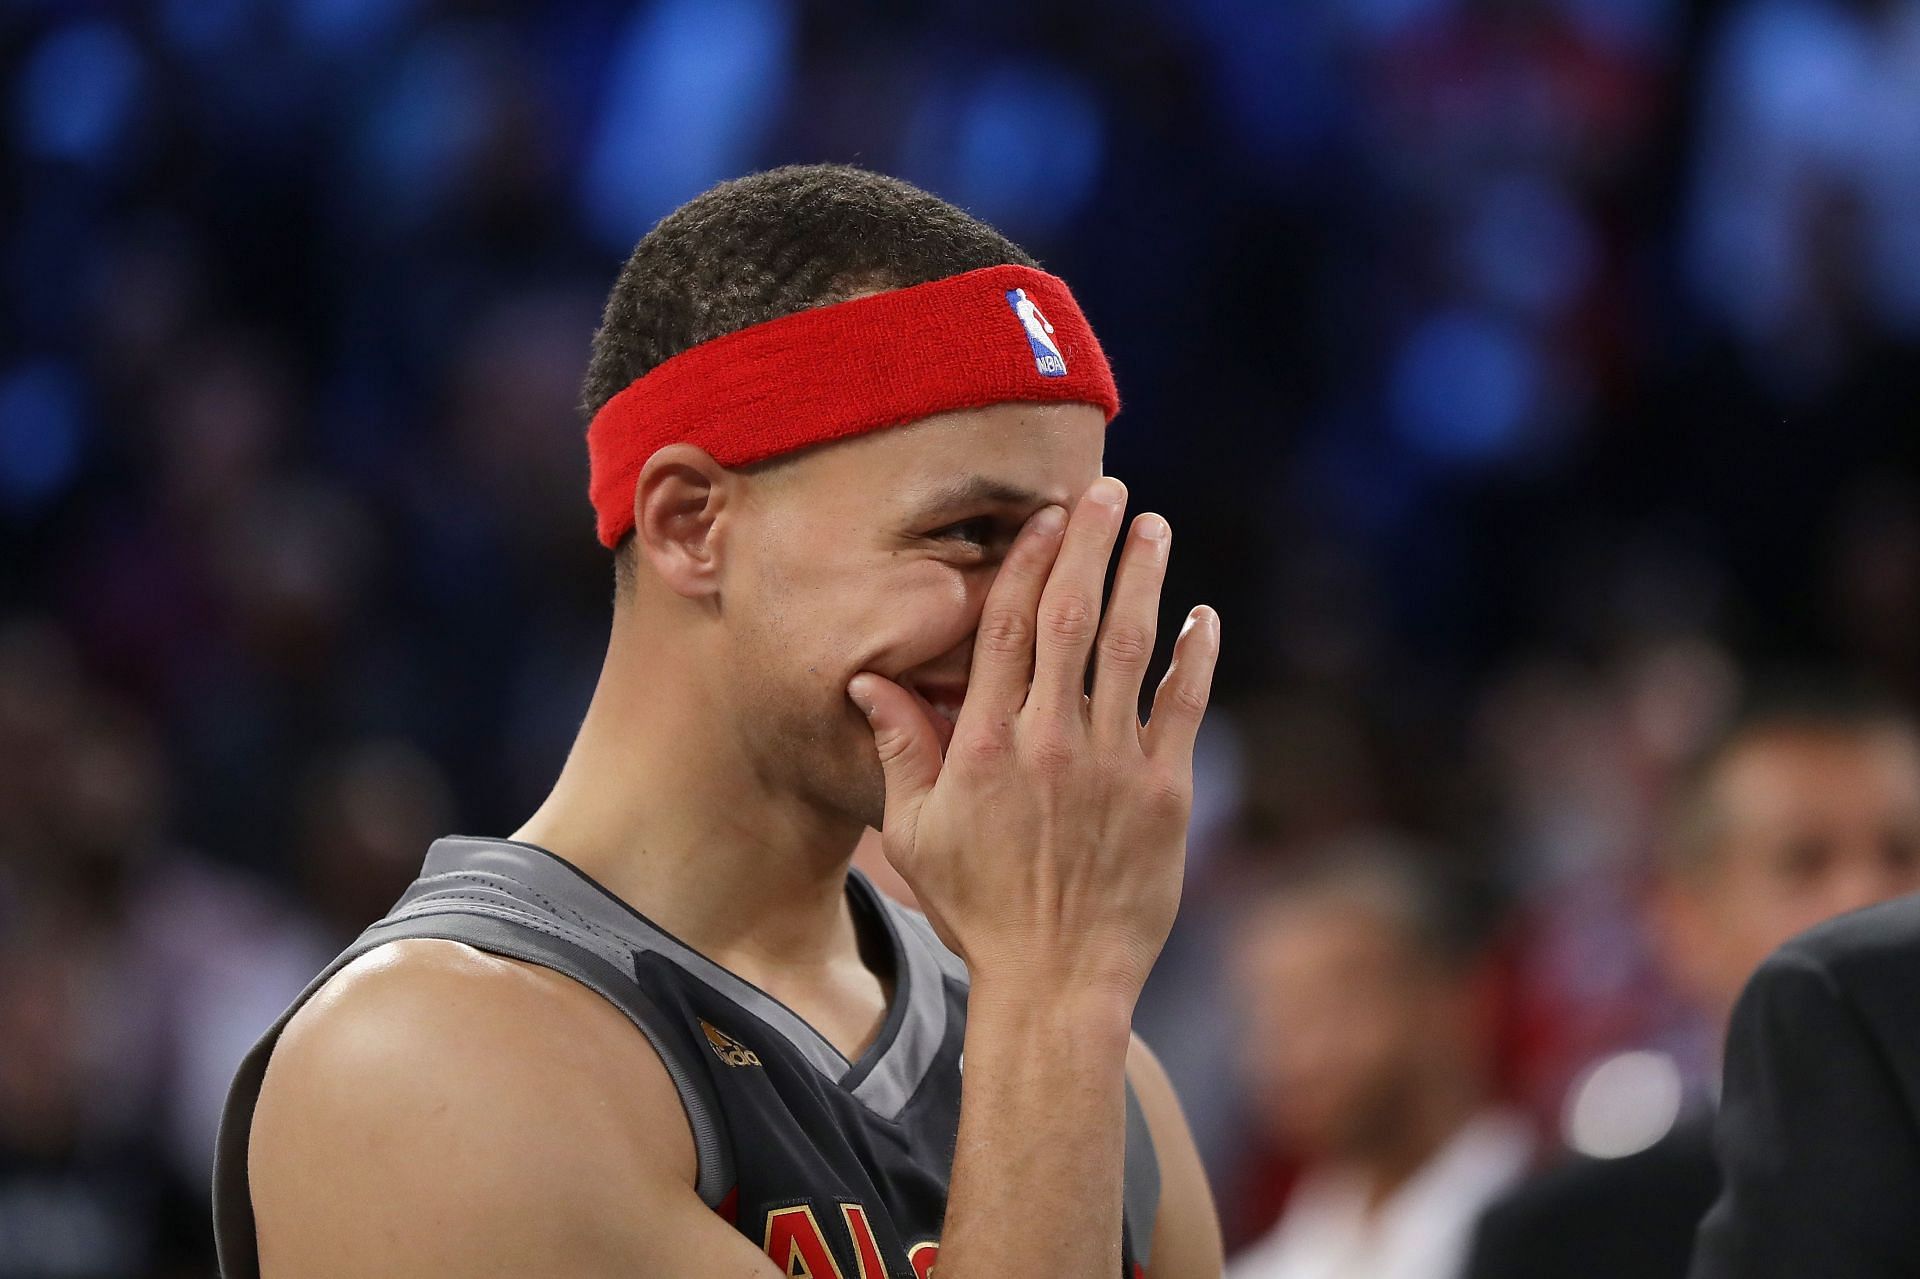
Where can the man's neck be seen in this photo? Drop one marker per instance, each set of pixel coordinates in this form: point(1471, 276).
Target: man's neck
point(658, 803)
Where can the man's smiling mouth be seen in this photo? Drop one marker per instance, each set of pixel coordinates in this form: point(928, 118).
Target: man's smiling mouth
point(942, 702)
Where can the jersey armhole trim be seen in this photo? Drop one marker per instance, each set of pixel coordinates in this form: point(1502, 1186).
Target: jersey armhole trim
point(714, 1167)
point(233, 1221)
point(1141, 1187)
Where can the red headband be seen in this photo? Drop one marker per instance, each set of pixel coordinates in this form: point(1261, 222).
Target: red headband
point(993, 336)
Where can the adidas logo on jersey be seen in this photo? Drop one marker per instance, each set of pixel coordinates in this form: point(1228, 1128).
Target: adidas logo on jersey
point(730, 1050)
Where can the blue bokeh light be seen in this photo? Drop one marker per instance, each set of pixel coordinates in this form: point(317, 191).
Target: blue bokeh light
point(1019, 144)
point(1464, 389)
point(345, 25)
point(42, 435)
point(205, 26)
point(1527, 246)
point(424, 126)
point(692, 91)
point(1276, 76)
point(77, 93)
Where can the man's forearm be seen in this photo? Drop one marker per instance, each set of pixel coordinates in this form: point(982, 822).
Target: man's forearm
point(1040, 1164)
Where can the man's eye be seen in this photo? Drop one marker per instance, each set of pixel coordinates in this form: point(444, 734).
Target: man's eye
point(980, 532)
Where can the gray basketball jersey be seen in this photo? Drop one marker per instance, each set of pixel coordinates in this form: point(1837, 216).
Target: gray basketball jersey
point(834, 1167)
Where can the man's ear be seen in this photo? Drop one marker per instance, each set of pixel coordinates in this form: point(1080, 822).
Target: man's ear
point(680, 509)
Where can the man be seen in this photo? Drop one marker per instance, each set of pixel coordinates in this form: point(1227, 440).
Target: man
point(836, 479)
point(1805, 809)
point(1370, 1042)
point(1819, 1131)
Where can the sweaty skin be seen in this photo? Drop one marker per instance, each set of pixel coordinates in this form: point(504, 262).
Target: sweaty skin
point(438, 1111)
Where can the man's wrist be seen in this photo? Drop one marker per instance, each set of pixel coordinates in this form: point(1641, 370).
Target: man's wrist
point(1092, 1015)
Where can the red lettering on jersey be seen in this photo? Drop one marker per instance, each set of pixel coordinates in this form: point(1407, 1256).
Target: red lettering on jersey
point(865, 1251)
point(922, 1255)
point(729, 1207)
point(796, 1245)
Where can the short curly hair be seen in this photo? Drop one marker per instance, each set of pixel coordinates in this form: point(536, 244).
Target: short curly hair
point(770, 244)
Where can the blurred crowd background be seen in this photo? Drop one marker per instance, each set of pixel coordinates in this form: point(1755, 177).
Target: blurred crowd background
point(1530, 384)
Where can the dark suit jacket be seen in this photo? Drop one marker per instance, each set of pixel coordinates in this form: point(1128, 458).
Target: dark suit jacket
point(1627, 1218)
point(1819, 1130)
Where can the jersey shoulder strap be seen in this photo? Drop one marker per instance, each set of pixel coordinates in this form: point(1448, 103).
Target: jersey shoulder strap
point(506, 899)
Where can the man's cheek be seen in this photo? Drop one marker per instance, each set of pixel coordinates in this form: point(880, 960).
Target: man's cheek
point(928, 620)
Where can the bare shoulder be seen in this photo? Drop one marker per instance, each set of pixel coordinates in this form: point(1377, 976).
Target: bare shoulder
point(435, 1109)
point(425, 1018)
point(1186, 1235)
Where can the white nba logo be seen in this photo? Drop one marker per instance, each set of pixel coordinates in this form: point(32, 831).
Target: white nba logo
point(1046, 352)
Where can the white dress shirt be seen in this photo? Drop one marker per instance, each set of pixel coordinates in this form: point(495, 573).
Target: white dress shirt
point(1422, 1232)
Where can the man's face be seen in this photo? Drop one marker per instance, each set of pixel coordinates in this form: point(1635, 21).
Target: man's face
point(1812, 824)
point(875, 554)
point(1342, 1018)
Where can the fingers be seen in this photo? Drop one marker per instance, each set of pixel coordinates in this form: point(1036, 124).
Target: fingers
point(1003, 646)
point(1182, 697)
point(1127, 632)
point(909, 750)
point(1069, 613)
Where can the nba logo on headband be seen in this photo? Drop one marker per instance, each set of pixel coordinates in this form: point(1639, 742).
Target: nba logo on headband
point(1046, 353)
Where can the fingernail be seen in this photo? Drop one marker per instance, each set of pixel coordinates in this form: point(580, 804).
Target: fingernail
point(1049, 520)
point(861, 700)
point(1108, 491)
point(1153, 528)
